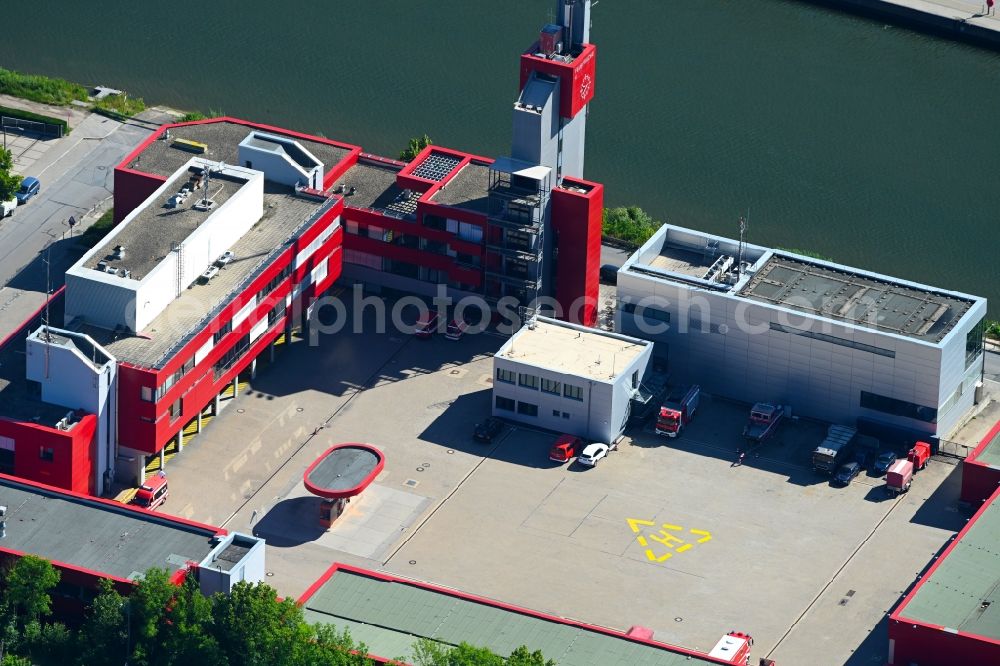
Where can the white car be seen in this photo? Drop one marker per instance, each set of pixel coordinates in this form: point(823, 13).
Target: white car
point(592, 453)
point(225, 259)
point(7, 207)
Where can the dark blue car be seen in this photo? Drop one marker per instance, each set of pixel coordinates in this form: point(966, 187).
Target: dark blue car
point(29, 188)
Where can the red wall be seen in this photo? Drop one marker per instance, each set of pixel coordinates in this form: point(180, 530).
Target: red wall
point(73, 453)
point(131, 189)
point(980, 481)
point(931, 646)
point(576, 87)
point(576, 219)
point(146, 426)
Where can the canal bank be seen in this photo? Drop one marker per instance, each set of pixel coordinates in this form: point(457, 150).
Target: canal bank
point(964, 20)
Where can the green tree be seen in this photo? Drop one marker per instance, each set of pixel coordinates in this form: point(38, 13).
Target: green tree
point(9, 182)
point(146, 611)
point(430, 653)
point(413, 149)
point(28, 584)
point(253, 628)
point(632, 224)
point(103, 633)
point(186, 636)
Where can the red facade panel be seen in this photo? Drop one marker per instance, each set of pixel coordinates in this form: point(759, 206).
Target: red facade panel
point(131, 189)
point(915, 643)
point(60, 458)
point(576, 78)
point(979, 480)
point(576, 220)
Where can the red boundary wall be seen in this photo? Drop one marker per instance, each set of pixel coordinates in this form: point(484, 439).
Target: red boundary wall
point(979, 480)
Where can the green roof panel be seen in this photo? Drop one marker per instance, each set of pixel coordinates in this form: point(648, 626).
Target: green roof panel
point(389, 617)
point(963, 593)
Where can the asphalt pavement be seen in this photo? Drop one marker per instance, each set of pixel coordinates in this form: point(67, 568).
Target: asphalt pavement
point(77, 178)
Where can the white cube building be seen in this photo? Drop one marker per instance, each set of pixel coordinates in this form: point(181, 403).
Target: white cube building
point(844, 345)
point(569, 378)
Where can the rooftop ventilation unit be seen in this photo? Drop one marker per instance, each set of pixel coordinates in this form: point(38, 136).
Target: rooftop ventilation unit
point(119, 252)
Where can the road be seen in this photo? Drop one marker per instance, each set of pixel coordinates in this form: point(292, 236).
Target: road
point(77, 176)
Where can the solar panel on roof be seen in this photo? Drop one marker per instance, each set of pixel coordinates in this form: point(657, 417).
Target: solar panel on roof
point(435, 167)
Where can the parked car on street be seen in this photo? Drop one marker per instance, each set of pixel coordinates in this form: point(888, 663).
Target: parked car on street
point(456, 328)
point(593, 453)
point(566, 448)
point(29, 188)
point(846, 474)
point(487, 430)
point(883, 463)
point(427, 325)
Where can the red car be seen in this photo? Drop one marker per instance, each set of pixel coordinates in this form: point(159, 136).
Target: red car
point(427, 325)
point(456, 327)
point(565, 448)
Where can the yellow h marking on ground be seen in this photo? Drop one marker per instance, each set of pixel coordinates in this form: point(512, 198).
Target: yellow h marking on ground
point(665, 536)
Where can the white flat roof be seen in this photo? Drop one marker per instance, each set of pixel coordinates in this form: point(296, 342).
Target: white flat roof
point(573, 350)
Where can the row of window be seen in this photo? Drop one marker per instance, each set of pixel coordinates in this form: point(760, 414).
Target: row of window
point(646, 311)
point(525, 408)
point(897, 407)
point(539, 383)
point(273, 284)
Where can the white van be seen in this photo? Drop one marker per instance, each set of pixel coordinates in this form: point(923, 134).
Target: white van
point(7, 207)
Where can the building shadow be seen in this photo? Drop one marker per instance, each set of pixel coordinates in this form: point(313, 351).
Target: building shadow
point(874, 649)
point(940, 510)
point(62, 253)
point(291, 522)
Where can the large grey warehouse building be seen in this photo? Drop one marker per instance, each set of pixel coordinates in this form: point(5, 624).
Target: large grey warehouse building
point(833, 342)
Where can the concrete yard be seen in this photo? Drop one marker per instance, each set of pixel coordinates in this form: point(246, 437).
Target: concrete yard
point(771, 548)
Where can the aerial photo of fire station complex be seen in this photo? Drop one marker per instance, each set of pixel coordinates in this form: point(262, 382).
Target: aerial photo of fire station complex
point(228, 231)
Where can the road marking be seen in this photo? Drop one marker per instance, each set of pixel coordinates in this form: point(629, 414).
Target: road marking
point(671, 542)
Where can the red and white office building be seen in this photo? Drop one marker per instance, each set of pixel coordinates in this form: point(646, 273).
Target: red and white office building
point(147, 337)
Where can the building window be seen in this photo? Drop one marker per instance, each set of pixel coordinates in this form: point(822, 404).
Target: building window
point(528, 381)
point(635, 379)
point(974, 342)
point(897, 407)
point(573, 392)
point(556, 412)
point(146, 393)
point(505, 403)
point(352, 228)
point(434, 222)
point(273, 284)
point(223, 331)
point(176, 408)
point(550, 386)
point(527, 409)
point(47, 454)
point(472, 233)
point(646, 312)
point(508, 376)
point(565, 415)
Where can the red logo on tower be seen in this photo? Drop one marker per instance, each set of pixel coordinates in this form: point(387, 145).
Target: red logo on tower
point(585, 86)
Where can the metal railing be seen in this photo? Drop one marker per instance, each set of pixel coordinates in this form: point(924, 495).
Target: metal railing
point(31, 127)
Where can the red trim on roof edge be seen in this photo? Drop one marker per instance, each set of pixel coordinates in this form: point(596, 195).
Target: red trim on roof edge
point(386, 577)
point(897, 614)
point(350, 492)
point(973, 457)
point(117, 506)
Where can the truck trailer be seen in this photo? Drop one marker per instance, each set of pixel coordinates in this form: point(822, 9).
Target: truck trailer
point(678, 410)
point(835, 449)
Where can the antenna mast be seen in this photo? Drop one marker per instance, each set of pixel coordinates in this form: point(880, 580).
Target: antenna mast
point(45, 316)
point(744, 222)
